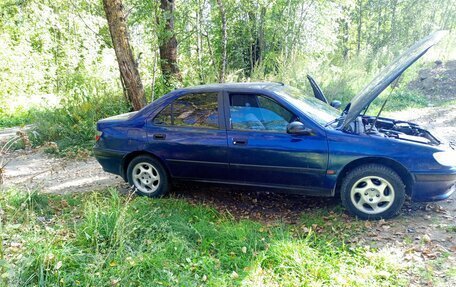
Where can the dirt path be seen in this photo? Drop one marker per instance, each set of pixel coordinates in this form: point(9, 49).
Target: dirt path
point(38, 170)
point(423, 234)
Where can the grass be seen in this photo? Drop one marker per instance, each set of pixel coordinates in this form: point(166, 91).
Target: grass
point(107, 239)
point(434, 272)
point(401, 99)
point(72, 125)
point(70, 122)
point(18, 118)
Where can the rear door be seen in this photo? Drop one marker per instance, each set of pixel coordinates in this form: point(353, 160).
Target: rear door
point(189, 135)
point(262, 153)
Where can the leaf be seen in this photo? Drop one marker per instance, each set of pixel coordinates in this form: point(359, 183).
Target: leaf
point(234, 275)
point(429, 254)
point(426, 238)
point(115, 281)
point(16, 244)
point(58, 265)
point(386, 227)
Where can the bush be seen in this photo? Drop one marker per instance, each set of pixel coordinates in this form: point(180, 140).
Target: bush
point(11, 119)
point(73, 122)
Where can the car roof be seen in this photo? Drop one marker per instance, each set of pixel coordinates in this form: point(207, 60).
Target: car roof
point(227, 86)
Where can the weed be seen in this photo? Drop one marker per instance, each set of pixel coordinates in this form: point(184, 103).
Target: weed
point(102, 239)
point(451, 228)
point(73, 123)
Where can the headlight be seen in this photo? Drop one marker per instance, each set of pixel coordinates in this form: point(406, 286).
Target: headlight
point(447, 158)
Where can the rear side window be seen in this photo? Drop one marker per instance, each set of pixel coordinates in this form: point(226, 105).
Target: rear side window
point(192, 110)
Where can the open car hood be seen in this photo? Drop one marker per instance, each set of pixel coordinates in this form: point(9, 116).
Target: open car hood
point(387, 76)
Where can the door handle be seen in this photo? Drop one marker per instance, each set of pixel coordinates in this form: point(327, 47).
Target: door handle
point(237, 141)
point(159, 136)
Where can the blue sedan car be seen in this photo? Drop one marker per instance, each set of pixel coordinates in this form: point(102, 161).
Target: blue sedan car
point(270, 135)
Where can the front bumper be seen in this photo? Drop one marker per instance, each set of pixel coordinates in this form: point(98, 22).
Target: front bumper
point(433, 187)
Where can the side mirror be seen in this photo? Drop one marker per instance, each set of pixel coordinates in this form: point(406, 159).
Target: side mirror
point(297, 128)
point(336, 104)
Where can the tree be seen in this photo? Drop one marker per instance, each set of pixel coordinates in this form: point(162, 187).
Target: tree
point(168, 43)
point(127, 65)
point(224, 41)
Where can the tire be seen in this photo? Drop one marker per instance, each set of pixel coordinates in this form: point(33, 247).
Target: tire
point(147, 176)
point(373, 191)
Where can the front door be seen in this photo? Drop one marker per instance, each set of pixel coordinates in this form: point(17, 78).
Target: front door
point(189, 135)
point(262, 153)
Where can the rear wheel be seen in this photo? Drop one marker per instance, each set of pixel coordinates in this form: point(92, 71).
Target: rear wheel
point(147, 176)
point(373, 191)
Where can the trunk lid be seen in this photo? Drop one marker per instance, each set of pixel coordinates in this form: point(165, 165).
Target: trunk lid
point(114, 120)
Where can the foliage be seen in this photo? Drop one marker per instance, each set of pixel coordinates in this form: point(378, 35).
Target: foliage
point(58, 69)
point(73, 122)
point(107, 239)
point(14, 119)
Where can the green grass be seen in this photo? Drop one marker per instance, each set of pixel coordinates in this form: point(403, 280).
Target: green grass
point(449, 103)
point(451, 228)
point(18, 118)
point(72, 125)
point(107, 239)
point(401, 99)
point(436, 270)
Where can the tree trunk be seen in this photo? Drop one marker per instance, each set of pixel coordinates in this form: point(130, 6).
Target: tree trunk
point(261, 43)
point(168, 43)
point(199, 41)
point(224, 40)
point(393, 37)
point(127, 65)
point(360, 24)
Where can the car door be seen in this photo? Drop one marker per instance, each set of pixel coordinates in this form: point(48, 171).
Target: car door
point(190, 136)
point(262, 153)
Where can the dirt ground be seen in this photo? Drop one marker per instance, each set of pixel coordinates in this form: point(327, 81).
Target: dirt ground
point(424, 233)
point(438, 82)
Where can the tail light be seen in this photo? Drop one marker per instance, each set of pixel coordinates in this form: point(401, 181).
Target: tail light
point(98, 135)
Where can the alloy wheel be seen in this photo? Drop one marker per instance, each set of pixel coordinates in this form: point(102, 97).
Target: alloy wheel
point(145, 177)
point(372, 194)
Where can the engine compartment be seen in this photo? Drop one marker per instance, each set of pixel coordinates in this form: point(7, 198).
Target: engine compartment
point(393, 129)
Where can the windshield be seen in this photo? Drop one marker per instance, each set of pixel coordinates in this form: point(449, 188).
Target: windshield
point(315, 109)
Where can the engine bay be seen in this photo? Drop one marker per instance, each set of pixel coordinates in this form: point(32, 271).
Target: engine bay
point(393, 129)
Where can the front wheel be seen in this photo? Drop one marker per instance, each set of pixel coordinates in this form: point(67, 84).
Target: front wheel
point(147, 176)
point(373, 191)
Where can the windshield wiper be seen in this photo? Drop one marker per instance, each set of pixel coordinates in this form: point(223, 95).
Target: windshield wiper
point(333, 121)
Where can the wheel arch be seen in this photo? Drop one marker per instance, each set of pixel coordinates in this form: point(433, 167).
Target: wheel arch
point(402, 171)
point(129, 157)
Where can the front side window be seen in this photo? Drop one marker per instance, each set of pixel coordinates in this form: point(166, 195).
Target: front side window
point(192, 110)
point(256, 112)
point(164, 117)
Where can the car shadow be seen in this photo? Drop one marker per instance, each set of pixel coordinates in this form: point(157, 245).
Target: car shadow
point(253, 203)
point(269, 205)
